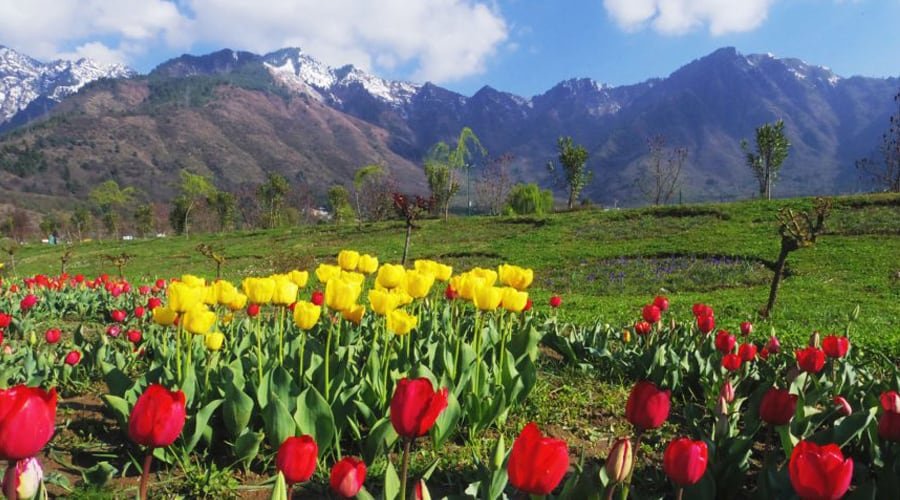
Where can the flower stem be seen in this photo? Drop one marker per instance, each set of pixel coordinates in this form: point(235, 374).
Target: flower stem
point(404, 469)
point(328, 361)
point(679, 493)
point(145, 474)
point(259, 360)
point(9, 481)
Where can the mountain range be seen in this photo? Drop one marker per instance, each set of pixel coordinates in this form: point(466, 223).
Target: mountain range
point(237, 115)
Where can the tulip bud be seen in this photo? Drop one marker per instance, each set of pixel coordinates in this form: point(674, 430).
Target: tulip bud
point(28, 478)
point(420, 492)
point(555, 301)
point(727, 392)
point(746, 328)
point(318, 298)
point(73, 358)
point(842, 406)
point(620, 460)
point(134, 336)
point(814, 339)
point(499, 453)
point(626, 336)
point(722, 417)
point(114, 331)
point(722, 407)
point(253, 310)
point(52, 335)
point(773, 346)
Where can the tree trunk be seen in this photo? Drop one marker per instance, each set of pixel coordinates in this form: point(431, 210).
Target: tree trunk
point(776, 280)
point(406, 245)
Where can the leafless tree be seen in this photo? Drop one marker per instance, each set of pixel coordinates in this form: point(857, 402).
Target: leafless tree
point(660, 173)
point(494, 185)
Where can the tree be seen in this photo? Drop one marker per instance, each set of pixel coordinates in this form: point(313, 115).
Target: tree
point(225, 205)
point(80, 221)
point(411, 208)
point(494, 184)
point(442, 163)
point(886, 174)
point(144, 219)
point(659, 176)
point(110, 200)
point(771, 150)
point(525, 199)
point(339, 203)
point(364, 177)
point(573, 160)
point(192, 189)
point(271, 196)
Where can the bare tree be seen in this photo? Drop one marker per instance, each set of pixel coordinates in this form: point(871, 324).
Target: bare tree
point(495, 183)
point(886, 174)
point(660, 173)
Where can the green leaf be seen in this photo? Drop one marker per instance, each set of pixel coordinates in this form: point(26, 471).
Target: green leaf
point(246, 447)
point(381, 437)
point(120, 409)
point(237, 410)
point(200, 421)
point(278, 423)
point(314, 417)
point(391, 482)
point(279, 491)
point(445, 425)
point(99, 474)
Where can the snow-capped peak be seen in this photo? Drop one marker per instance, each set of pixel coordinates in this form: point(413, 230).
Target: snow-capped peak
point(24, 79)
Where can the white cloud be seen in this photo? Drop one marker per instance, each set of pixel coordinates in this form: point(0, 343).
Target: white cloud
point(676, 17)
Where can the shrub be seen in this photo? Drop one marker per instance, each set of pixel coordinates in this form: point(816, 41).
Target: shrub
point(527, 199)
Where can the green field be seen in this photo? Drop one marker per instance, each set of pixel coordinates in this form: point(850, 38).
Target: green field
point(604, 263)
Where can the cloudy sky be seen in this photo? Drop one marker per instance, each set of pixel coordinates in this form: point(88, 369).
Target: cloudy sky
point(521, 46)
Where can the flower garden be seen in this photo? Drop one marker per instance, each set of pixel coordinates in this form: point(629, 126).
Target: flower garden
point(360, 378)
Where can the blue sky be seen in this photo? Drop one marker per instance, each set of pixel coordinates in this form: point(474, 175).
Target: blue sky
point(521, 46)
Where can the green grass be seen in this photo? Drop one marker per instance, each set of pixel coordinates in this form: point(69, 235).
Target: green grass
point(605, 264)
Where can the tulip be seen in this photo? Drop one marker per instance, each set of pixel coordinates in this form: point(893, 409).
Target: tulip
point(747, 352)
point(746, 328)
point(890, 401)
point(731, 362)
point(27, 419)
point(727, 392)
point(555, 301)
point(210, 295)
point(153, 303)
point(418, 283)
point(164, 316)
point(390, 276)
point(73, 358)
point(296, 458)
point(347, 477)
point(814, 340)
point(5, 320)
point(706, 323)
point(317, 298)
point(354, 314)
point(440, 271)
point(353, 277)
point(487, 298)
point(199, 320)
point(341, 295)
point(420, 492)
point(367, 264)
point(52, 335)
point(842, 406)
point(193, 281)
point(835, 347)
point(466, 283)
point(400, 322)
point(239, 302)
point(642, 328)
point(725, 342)
point(26, 477)
point(306, 314)
point(810, 359)
point(225, 293)
point(701, 310)
point(183, 298)
point(450, 293)
point(284, 292)
point(139, 312)
point(258, 290)
point(134, 336)
point(114, 331)
point(647, 406)
point(327, 272)
point(777, 406)
point(415, 406)
point(253, 310)
point(651, 314)
point(383, 302)
point(214, 341)
point(514, 300)
point(537, 464)
point(157, 417)
point(773, 346)
point(515, 276)
point(118, 315)
point(889, 422)
point(685, 461)
point(661, 302)
point(28, 302)
point(348, 259)
point(620, 460)
point(819, 471)
point(300, 278)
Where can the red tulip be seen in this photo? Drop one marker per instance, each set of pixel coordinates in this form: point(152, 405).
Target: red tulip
point(348, 476)
point(763, 354)
point(28, 302)
point(889, 422)
point(144, 290)
point(642, 328)
point(701, 310)
point(651, 314)
point(555, 301)
point(5, 320)
point(536, 463)
point(810, 359)
point(647, 406)
point(819, 471)
point(842, 406)
point(451, 294)
point(528, 305)
point(73, 358)
point(52, 335)
point(835, 347)
point(727, 392)
point(252, 310)
point(160, 283)
point(114, 331)
point(725, 342)
point(139, 312)
point(747, 352)
point(157, 417)
point(27, 418)
point(684, 461)
point(153, 303)
point(890, 401)
point(731, 362)
point(134, 336)
point(746, 328)
point(415, 406)
point(777, 406)
point(296, 458)
point(706, 324)
point(318, 298)
point(661, 302)
point(773, 346)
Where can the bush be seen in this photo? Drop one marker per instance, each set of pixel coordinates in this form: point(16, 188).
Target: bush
point(525, 199)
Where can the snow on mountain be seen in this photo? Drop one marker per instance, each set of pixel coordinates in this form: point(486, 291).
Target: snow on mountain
point(298, 71)
point(23, 79)
point(800, 69)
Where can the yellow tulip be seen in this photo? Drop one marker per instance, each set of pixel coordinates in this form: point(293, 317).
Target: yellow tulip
point(210, 296)
point(418, 283)
point(400, 322)
point(227, 319)
point(348, 259)
point(239, 302)
point(306, 314)
point(325, 272)
point(300, 278)
point(199, 320)
point(515, 276)
point(183, 298)
point(164, 316)
point(440, 271)
point(354, 314)
point(487, 298)
point(341, 295)
point(214, 340)
point(193, 281)
point(258, 290)
point(285, 291)
point(383, 302)
point(465, 284)
point(489, 275)
point(514, 300)
point(353, 277)
point(226, 293)
point(391, 275)
point(367, 264)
